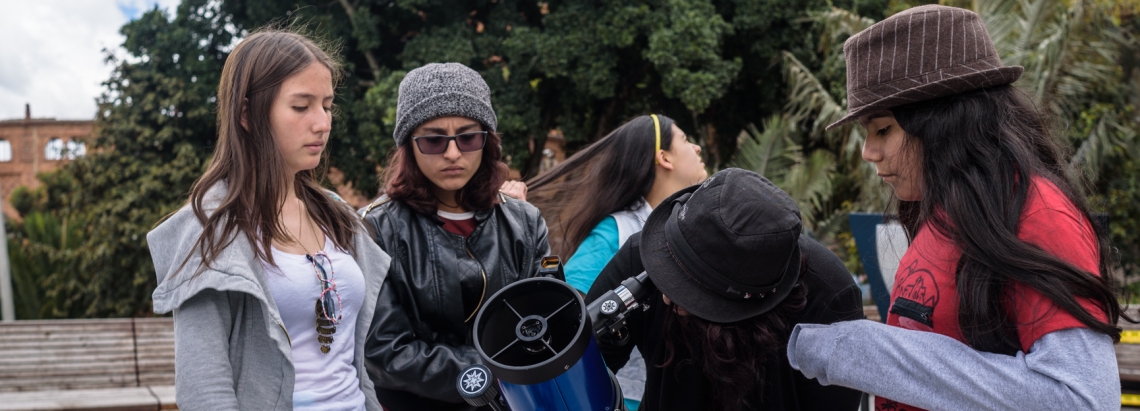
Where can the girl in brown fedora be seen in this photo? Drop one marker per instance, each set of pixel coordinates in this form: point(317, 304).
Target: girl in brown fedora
point(1003, 300)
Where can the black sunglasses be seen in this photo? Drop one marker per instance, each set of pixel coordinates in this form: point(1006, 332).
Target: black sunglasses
point(466, 142)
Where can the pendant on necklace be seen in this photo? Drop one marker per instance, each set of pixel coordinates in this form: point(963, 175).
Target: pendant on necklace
point(325, 329)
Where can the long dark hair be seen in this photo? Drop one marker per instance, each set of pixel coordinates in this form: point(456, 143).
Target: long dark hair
point(403, 180)
point(608, 176)
point(980, 152)
point(256, 176)
point(735, 356)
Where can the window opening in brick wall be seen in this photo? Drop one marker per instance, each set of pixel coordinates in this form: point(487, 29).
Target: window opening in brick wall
point(54, 149)
point(75, 149)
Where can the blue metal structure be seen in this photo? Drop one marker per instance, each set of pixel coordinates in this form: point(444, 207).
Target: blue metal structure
point(863, 230)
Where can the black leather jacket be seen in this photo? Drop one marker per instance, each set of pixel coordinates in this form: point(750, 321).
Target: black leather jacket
point(418, 342)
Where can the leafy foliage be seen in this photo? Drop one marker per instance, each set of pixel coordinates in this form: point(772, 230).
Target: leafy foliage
point(152, 134)
point(1071, 53)
point(1076, 55)
point(41, 251)
point(581, 66)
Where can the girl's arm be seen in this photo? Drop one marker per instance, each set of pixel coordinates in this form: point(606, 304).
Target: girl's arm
point(203, 376)
point(398, 358)
point(1070, 369)
point(626, 263)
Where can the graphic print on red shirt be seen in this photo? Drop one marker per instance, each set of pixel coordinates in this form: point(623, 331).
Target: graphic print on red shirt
point(925, 296)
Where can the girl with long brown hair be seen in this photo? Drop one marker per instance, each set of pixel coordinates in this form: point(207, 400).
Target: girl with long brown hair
point(271, 278)
point(599, 197)
point(602, 194)
point(458, 240)
point(1004, 299)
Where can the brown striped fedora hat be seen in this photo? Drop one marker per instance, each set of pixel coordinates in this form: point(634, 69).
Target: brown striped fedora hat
point(919, 54)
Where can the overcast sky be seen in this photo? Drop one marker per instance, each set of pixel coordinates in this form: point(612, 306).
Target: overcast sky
point(52, 53)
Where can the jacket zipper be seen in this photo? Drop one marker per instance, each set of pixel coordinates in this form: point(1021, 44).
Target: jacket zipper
point(482, 273)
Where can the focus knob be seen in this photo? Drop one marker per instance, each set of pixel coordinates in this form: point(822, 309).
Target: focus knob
point(477, 386)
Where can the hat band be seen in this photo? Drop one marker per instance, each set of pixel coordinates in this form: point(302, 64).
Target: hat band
point(700, 272)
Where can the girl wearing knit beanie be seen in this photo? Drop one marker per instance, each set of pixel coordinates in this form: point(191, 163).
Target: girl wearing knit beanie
point(455, 239)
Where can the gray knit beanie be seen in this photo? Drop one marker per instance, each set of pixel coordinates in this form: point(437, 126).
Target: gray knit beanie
point(440, 90)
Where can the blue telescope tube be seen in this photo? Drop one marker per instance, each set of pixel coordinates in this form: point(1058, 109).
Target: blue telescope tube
point(585, 386)
point(535, 336)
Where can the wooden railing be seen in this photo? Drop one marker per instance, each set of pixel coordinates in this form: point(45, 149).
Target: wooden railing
point(120, 363)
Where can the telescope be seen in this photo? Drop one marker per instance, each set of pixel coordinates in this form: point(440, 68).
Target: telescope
point(537, 339)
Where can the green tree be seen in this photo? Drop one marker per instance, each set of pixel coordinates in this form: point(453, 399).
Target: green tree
point(152, 136)
point(581, 66)
point(1076, 55)
point(822, 170)
point(1071, 53)
point(577, 65)
point(41, 250)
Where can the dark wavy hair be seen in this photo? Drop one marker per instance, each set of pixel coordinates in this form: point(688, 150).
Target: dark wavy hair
point(608, 176)
point(403, 180)
point(734, 356)
point(980, 151)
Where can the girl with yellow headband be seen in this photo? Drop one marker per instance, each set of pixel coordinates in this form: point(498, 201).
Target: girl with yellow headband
point(598, 197)
point(601, 195)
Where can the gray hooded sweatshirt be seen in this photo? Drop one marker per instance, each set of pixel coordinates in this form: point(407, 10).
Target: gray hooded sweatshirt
point(232, 351)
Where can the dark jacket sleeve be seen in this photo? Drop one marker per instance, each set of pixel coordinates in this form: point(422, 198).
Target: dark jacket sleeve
point(626, 263)
point(397, 358)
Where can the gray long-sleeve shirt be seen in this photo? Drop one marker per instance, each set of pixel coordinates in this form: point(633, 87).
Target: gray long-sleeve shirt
point(1071, 369)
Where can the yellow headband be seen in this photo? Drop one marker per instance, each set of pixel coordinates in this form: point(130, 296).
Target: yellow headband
point(657, 129)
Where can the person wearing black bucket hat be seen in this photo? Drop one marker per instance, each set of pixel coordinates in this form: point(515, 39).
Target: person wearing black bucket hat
point(456, 239)
point(1003, 300)
point(733, 275)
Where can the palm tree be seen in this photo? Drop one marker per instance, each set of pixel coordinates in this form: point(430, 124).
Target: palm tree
point(40, 252)
point(795, 151)
point(1071, 53)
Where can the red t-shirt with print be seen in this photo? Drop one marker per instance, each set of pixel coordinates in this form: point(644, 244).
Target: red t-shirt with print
point(925, 293)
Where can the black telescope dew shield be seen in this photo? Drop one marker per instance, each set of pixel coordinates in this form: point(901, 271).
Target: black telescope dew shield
point(537, 338)
point(532, 331)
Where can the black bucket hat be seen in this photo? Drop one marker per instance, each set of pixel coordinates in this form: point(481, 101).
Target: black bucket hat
point(725, 250)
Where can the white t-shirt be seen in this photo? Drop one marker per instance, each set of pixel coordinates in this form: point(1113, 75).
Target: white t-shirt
point(323, 381)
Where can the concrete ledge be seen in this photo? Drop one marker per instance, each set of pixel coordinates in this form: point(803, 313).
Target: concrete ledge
point(125, 399)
